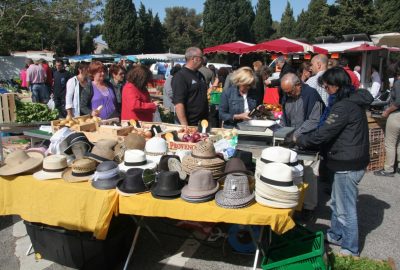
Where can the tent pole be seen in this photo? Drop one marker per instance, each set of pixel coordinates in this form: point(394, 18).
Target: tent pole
point(363, 69)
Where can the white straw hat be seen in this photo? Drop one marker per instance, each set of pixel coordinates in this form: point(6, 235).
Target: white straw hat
point(136, 159)
point(155, 148)
point(53, 167)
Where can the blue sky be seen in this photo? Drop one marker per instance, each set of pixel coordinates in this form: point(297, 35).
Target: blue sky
point(277, 6)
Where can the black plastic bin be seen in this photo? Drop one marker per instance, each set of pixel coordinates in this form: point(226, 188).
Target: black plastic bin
point(81, 250)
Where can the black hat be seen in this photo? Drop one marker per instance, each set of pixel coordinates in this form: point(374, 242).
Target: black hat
point(246, 157)
point(168, 186)
point(77, 137)
point(107, 175)
point(163, 165)
point(133, 182)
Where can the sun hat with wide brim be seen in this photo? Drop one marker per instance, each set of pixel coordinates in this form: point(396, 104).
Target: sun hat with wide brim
point(81, 170)
point(272, 203)
point(53, 167)
point(278, 176)
point(20, 161)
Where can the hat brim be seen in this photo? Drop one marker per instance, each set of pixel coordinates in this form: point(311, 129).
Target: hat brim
point(264, 188)
point(292, 189)
point(198, 200)
point(42, 175)
point(170, 193)
point(149, 165)
point(274, 204)
point(108, 184)
point(129, 193)
point(186, 192)
point(35, 159)
point(155, 159)
point(164, 197)
point(230, 206)
point(68, 177)
point(224, 201)
point(95, 157)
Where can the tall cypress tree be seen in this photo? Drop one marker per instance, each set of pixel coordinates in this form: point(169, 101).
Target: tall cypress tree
point(143, 25)
point(388, 15)
point(227, 21)
point(119, 29)
point(288, 24)
point(262, 25)
point(158, 35)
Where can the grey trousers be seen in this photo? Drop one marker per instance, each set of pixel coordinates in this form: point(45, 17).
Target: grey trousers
point(392, 136)
point(311, 193)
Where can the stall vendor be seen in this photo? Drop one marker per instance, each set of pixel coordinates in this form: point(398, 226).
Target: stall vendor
point(238, 100)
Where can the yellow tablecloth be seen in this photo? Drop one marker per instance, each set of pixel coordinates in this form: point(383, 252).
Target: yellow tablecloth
point(74, 206)
point(145, 205)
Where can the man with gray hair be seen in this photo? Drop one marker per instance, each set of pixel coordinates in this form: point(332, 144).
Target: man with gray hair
point(35, 79)
point(302, 108)
point(319, 64)
point(190, 90)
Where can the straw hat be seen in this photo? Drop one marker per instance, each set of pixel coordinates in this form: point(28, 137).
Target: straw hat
point(200, 185)
point(20, 161)
point(297, 168)
point(80, 170)
point(155, 148)
point(53, 167)
point(107, 175)
point(272, 154)
point(136, 159)
point(236, 192)
point(102, 152)
point(204, 156)
point(274, 204)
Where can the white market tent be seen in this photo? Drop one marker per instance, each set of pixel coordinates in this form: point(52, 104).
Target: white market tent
point(164, 57)
point(342, 46)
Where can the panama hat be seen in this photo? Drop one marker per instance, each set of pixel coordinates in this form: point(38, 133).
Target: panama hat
point(80, 170)
point(136, 159)
point(20, 161)
point(274, 204)
point(297, 168)
point(155, 148)
point(236, 192)
point(200, 185)
point(272, 154)
point(278, 176)
point(107, 175)
point(53, 167)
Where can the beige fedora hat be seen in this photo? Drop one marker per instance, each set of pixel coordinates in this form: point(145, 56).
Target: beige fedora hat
point(80, 170)
point(53, 167)
point(20, 161)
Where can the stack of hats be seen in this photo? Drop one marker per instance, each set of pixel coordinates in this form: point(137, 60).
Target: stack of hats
point(20, 161)
point(168, 186)
point(136, 159)
point(204, 157)
point(200, 188)
point(236, 192)
point(274, 184)
point(155, 148)
point(107, 175)
point(297, 168)
point(102, 151)
point(53, 168)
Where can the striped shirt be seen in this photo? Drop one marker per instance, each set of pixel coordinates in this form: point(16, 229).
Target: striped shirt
point(313, 82)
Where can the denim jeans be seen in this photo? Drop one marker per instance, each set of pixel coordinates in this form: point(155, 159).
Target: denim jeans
point(40, 93)
point(344, 221)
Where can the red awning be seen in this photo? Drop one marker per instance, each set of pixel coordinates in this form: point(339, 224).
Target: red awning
point(364, 48)
point(284, 46)
point(233, 47)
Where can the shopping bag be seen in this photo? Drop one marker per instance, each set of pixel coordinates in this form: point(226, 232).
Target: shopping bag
point(51, 104)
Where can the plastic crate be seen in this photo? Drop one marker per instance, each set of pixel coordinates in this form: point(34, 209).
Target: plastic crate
point(376, 135)
point(215, 98)
point(300, 254)
point(299, 231)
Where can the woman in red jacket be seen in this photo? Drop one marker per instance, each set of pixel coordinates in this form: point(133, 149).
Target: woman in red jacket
point(136, 102)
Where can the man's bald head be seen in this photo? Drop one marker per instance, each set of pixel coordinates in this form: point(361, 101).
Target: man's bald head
point(291, 84)
point(319, 63)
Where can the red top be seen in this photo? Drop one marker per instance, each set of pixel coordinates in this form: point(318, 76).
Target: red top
point(136, 104)
point(49, 74)
point(354, 80)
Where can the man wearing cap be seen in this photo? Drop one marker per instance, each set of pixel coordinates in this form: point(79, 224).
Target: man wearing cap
point(302, 108)
point(190, 90)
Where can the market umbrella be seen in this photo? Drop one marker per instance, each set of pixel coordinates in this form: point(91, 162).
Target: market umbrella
point(233, 47)
point(285, 46)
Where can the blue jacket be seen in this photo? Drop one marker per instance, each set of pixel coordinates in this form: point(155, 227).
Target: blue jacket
point(233, 103)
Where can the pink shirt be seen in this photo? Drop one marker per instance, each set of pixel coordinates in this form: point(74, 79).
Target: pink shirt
point(35, 74)
point(22, 76)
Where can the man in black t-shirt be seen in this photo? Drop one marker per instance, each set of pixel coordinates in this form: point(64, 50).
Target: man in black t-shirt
point(190, 90)
point(60, 78)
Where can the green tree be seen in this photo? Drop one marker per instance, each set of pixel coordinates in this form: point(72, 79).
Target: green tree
point(227, 21)
point(158, 35)
point(288, 24)
point(143, 25)
point(354, 16)
point(262, 25)
point(183, 28)
point(388, 15)
point(119, 29)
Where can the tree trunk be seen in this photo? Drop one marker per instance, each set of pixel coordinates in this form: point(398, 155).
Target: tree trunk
point(78, 40)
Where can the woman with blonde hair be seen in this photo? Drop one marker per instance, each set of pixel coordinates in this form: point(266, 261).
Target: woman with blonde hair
point(238, 100)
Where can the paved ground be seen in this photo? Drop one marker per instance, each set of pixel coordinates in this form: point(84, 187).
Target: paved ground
point(379, 219)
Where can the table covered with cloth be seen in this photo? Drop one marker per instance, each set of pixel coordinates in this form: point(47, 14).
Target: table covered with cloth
point(144, 204)
point(74, 206)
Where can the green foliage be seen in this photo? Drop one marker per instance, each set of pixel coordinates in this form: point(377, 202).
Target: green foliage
point(183, 27)
point(119, 29)
point(288, 24)
point(349, 263)
point(262, 25)
point(227, 21)
point(388, 15)
point(34, 112)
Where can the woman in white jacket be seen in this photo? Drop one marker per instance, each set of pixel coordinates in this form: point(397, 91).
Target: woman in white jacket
point(75, 85)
